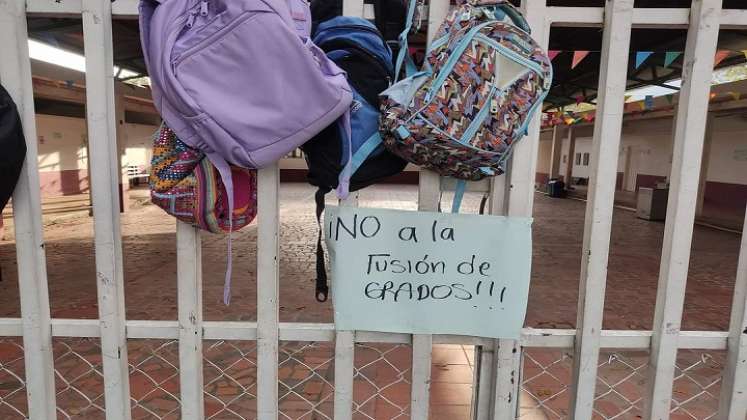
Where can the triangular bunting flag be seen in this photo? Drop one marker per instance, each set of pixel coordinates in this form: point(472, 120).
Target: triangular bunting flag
point(735, 95)
point(578, 57)
point(641, 56)
point(553, 53)
point(670, 99)
point(579, 99)
point(745, 53)
point(720, 56)
point(670, 56)
point(649, 102)
point(627, 97)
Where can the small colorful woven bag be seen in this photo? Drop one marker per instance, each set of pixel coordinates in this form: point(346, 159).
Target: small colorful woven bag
point(187, 186)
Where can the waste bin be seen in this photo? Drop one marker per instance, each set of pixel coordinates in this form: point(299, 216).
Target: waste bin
point(652, 203)
point(556, 188)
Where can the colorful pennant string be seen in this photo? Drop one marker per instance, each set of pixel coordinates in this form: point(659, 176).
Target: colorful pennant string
point(578, 57)
point(641, 57)
point(649, 102)
point(670, 57)
point(553, 53)
point(720, 56)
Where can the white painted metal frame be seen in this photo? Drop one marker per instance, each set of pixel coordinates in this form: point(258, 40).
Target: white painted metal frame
point(500, 361)
point(600, 203)
point(702, 38)
point(105, 173)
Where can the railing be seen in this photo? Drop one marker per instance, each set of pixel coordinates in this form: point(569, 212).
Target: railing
point(508, 371)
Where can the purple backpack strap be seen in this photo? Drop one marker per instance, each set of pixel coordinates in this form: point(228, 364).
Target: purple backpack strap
point(225, 174)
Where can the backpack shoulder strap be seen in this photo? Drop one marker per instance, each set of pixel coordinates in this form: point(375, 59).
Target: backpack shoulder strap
point(322, 288)
point(403, 47)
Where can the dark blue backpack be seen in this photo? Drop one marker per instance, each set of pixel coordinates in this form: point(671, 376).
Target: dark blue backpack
point(354, 157)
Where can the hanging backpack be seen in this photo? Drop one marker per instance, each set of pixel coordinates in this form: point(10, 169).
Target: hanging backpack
point(390, 17)
point(351, 158)
point(13, 145)
point(484, 79)
point(188, 186)
point(239, 80)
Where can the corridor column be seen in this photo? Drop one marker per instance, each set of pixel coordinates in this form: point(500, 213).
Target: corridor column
point(124, 182)
point(557, 146)
point(568, 178)
point(705, 163)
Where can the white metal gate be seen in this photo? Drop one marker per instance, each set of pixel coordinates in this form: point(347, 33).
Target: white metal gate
point(498, 383)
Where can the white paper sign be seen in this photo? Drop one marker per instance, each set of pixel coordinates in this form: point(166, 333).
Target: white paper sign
point(428, 273)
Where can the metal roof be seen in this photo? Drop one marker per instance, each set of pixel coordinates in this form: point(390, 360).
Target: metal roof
point(568, 83)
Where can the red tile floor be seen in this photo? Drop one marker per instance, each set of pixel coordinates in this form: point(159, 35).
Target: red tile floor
point(382, 381)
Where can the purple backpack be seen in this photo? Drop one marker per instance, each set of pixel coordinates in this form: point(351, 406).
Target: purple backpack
point(240, 80)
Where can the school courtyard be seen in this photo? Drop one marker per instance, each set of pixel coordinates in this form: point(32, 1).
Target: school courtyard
point(382, 371)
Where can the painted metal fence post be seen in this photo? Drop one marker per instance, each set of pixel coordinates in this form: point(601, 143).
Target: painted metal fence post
point(618, 20)
point(429, 193)
point(101, 119)
point(15, 75)
point(267, 293)
point(189, 290)
point(520, 180)
point(692, 109)
point(734, 388)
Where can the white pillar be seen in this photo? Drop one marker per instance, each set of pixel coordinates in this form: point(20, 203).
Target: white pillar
point(124, 184)
point(557, 149)
point(705, 163)
point(568, 177)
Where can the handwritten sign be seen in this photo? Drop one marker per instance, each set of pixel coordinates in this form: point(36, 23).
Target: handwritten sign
point(428, 273)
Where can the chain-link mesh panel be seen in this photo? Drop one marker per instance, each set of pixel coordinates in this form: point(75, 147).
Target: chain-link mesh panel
point(697, 384)
point(382, 381)
point(13, 404)
point(154, 379)
point(620, 384)
point(79, 381)
point(230, 374)
point(306, 380)
point(545, 385)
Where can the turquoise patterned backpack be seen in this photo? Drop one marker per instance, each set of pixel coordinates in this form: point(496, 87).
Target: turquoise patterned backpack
point(483, 80)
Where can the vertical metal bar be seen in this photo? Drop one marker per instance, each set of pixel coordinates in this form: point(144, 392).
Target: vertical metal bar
point(734, 386)
point(507, 379)
point(618, 21)
point(429, 192)
point(189, 279)
point(482, 399)
point(520, 202)
point(525, 152)
point(345, 357)
point(15, 74)
point(422, 355)
point(267, 293)
point(702, 37)
point(344, 372)
point(488, 358)
point(102, 131)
